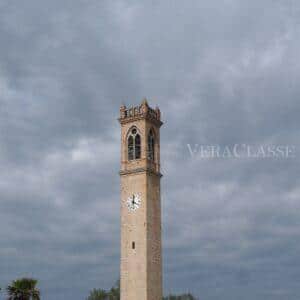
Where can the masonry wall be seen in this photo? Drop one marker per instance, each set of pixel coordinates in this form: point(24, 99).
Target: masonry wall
point(154, 259)
point(133, 229)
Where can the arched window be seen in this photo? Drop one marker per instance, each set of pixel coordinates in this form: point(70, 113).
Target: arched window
point(134, 145)
point(151, 145)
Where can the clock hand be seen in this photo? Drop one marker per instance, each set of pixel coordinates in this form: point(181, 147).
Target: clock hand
point(133, 198)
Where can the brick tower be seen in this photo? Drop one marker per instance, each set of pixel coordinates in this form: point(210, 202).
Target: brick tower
point(141, 261)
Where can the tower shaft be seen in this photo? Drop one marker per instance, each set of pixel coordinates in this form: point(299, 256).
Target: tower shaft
point(141, 260)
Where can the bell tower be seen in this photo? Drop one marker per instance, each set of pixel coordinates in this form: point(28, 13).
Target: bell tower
point(141, 260)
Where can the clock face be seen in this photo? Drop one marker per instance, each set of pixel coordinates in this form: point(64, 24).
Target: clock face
point(133, 202)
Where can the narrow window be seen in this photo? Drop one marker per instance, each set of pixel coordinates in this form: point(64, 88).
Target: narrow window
point(151, 145)
point(133, 245)
point(130, 148)
point(137, 146)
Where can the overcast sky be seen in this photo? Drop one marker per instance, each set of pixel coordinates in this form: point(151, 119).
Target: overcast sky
point(223, 72)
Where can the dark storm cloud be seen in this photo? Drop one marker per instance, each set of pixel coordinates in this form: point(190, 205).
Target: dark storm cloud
point(222, 72)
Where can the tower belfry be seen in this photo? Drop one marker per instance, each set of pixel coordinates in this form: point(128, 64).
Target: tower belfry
point(141, 260)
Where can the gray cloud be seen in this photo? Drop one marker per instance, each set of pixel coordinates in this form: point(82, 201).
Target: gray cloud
point(222, 72)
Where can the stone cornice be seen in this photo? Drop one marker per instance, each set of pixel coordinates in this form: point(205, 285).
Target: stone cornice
point(155, 122)
point(139, 170)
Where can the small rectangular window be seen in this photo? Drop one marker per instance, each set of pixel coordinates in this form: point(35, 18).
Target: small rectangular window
point(133, 245)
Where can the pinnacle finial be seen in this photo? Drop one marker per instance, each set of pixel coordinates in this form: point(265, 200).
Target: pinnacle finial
point(145, 102)
point(122, 110)
point(158, 114)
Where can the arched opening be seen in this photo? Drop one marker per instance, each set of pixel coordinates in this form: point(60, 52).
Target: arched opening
point(134, 145)
point(151, 145)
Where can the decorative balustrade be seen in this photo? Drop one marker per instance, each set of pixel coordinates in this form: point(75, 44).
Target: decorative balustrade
point(142, 110)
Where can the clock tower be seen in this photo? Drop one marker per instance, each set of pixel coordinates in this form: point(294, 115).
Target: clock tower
point(141, 261)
